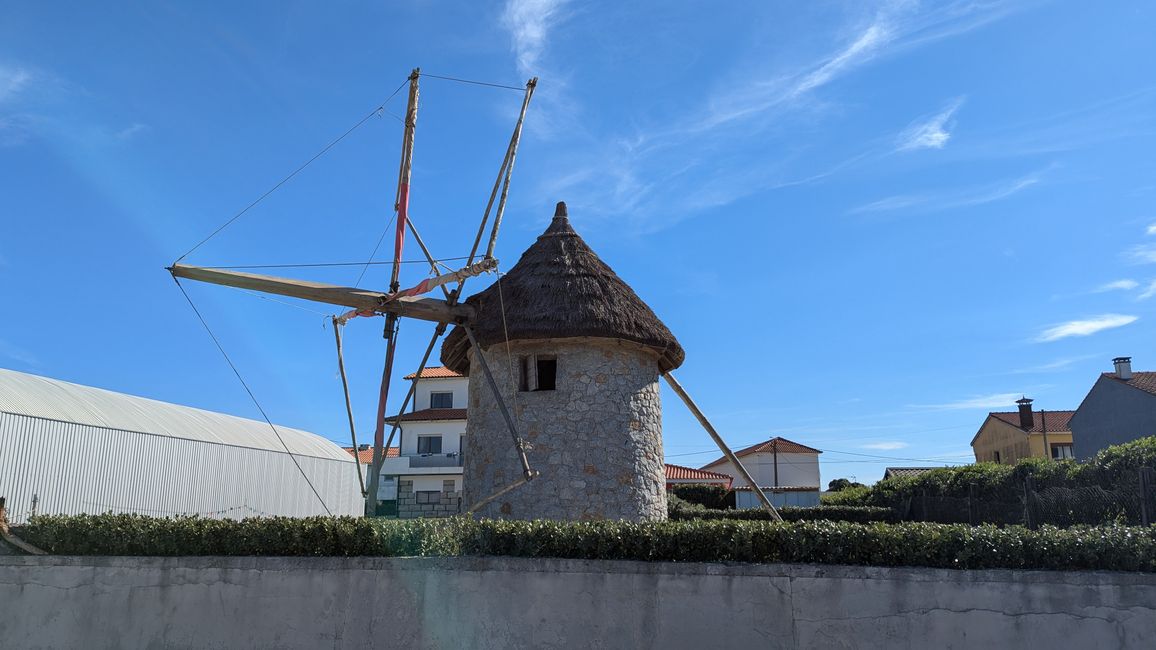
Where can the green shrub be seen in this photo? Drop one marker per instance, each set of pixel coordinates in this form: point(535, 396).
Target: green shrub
point(709, 496)
point(995, 492)
point(1114, 547)
point(860, 514)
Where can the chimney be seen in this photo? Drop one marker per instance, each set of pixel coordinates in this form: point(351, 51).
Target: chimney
point(1026, 419)
point(1123, 367)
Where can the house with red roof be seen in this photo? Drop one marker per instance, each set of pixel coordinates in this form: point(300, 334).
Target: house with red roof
point(422, 475)
point(1008, 437)
point(1120, 407)
point(679, 475)
point(786, 471)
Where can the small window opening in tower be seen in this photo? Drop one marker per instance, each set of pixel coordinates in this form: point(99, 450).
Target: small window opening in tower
point(538, 373)
point(547, 370)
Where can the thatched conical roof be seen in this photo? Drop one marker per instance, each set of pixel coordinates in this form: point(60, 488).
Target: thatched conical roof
point(561, 289)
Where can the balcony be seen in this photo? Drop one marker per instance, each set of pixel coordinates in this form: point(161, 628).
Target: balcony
point(423, 464)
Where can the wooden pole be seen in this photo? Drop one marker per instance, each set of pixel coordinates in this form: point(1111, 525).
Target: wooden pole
point(530, 85)
point(404, 175)
point(519, 444)
point(441, 329)
point(348, 403)
point(379, 428)
point(755, 487)
point(438, 311)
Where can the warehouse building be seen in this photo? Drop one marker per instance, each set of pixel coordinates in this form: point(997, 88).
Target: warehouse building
point(70, 449)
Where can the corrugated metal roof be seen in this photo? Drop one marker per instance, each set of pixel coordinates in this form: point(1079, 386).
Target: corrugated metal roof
point(52, 399)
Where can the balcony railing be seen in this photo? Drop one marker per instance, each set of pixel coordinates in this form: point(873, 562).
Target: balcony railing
point(435, 460)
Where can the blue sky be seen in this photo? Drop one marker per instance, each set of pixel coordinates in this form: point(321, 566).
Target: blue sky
point(868, 223)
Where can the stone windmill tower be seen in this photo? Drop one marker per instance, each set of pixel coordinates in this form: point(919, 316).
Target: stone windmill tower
point(576, 355)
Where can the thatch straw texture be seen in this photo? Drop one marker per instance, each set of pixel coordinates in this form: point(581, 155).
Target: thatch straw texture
point(561, 289)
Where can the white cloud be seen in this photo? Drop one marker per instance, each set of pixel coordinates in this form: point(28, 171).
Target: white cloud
point(529, 23)
point(1142, 254)
point(16, 353)
point(1149, 292)
point(12, 81)
point(863, 49)
point(885, 446)
point(1117, 285)
point(930, 133)
point(984, 402)
point(1151, 230)
point(953, 199)
point(1085, 327)
point(1053, 366)
point(134, 129)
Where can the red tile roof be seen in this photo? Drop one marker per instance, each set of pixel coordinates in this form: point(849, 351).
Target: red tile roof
point(426, 415)
point(680, 473)
point(1056, 420)
point(781, 445)
point(1145, 381)
point(365, 456)
point(781, 488)
point(436, 372)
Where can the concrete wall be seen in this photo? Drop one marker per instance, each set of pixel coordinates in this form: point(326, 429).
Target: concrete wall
point(61, 602)
point(1111, 414)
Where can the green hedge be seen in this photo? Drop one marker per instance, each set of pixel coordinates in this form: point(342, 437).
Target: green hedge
point(1113, 547)
point(708, 496)
point(1113, 469)
point(859, 514)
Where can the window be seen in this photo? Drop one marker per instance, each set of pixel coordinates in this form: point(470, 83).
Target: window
point(996, 459)
point(538, 373)
point(441, 400)
point(429, 444)
point(1062, 452)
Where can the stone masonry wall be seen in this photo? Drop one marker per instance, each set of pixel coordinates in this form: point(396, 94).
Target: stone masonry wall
point(414, 505)
point(596, 438)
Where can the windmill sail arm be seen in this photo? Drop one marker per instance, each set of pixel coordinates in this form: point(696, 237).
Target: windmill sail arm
point(360, 299)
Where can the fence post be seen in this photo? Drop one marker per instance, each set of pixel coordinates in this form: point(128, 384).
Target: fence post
point(923, 502)
point(1145, 488)
point(1029, 492)
point(971, 504)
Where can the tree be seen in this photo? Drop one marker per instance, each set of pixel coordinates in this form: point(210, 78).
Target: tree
point(840, 484)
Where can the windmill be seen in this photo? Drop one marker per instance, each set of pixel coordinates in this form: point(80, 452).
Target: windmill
point(468, 352)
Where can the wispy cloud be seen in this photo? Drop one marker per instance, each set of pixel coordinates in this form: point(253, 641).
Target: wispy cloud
point(1117, 285)
point(1151, 230)
point(16, 353)
point(529, 23)
point(985, 402)
point(1148, 292)
point(1085, 327)
point(929, 133)
point(13, 80)
point(131, 131)
point(885, 446)
point(1141, 254)
point(1053, 366)
point(948, 200)
point(653, 172)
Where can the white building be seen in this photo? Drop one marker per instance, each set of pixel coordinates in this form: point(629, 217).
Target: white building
point(424, 479)
point(71, 449)
point(786, 471)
